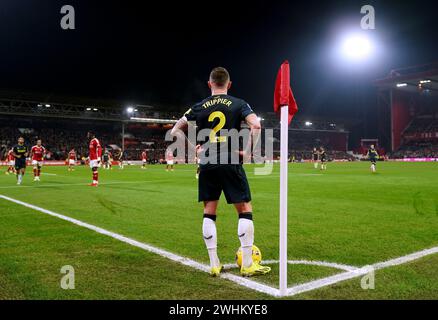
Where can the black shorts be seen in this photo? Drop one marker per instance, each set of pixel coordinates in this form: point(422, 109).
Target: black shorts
point(323, 160)
point(20, 164)
point(373, 160)
point(229, 178)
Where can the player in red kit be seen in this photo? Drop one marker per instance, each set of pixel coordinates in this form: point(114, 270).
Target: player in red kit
point(37, 154)
point(11, 162)
point(95, 155)
point(144, 159)
point(72, 160)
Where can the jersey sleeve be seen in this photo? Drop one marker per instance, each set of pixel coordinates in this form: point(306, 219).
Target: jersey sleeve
point(246, 110)
point(190, 115)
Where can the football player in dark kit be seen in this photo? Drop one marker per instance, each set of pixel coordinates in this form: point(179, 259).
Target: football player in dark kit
point(219, 112)
point(373, 156)
point(315, 158)
point(20, 152)
point(323, 158)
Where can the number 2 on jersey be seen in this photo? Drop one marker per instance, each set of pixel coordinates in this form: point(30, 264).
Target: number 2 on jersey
point(217, 115)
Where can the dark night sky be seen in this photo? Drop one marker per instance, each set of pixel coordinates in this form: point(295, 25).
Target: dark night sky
point(134, 51)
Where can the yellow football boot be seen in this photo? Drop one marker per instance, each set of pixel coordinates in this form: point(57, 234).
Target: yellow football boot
point(254, 270)
point(216, 271)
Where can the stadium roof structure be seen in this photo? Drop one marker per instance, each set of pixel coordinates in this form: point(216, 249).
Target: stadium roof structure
point(416, 79)
point(41, 105)
point(401, 95)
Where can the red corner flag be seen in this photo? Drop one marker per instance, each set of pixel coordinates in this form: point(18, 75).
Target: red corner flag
point(283, 95)
point(285, 104)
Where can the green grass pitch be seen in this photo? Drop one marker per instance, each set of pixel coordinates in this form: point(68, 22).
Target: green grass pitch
point(344, 215)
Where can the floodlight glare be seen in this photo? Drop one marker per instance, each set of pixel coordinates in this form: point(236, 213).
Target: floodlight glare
point(356, 47)
point(401, 85)
point(130, 109)
point(308, 123)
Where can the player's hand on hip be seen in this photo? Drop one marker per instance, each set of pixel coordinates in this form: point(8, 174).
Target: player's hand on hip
point(198, 149)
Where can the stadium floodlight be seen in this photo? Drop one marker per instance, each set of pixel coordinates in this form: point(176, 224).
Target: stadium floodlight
point(39, 105)
point(95, 109)
point(356, 47)
point(308, 123)
point(130, 109)
point(48, 105)
point(260, 118)
point(401, 85)
point(88, 109)
point(424, 81)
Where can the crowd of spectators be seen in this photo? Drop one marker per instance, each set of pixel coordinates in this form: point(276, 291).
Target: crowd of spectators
point(422, 124)
point(416, 150)
point(419, 139)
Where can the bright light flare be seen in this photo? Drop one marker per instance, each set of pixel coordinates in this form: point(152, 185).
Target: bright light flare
point(356, 47)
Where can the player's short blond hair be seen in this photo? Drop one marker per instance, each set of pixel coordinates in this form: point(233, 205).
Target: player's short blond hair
point(219, 76)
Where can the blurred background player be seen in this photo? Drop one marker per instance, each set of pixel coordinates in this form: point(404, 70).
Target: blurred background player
point(20, 153)
point(198, 168)
point(323, 158)
point(169, 160)
point(217, 177)
point(11, 162)
point(72, 160)
point(373, 156)
point(144, 159)
point(121, 159)
point(315, 158)
point(37, 154)
point(95, 155)
point(107, 160)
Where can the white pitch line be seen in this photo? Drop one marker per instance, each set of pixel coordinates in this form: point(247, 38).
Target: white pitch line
point(320, 264)
point(166, 254)
point(37, 185)
point(301, 288)
point(305, 262)
point(317, 284)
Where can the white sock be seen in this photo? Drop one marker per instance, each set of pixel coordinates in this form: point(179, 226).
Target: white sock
point(20, 178)
point(245, 231)
point(210, 238)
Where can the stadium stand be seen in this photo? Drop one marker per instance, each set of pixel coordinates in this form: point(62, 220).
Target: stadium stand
point(419, 139)
point(63, 125)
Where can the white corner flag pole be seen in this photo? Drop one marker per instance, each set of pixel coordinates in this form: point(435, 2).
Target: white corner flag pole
point(284, 155)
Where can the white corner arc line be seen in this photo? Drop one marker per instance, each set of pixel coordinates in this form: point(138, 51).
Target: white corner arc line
point(163, 253)
point(316, 284)
point(305, 262)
